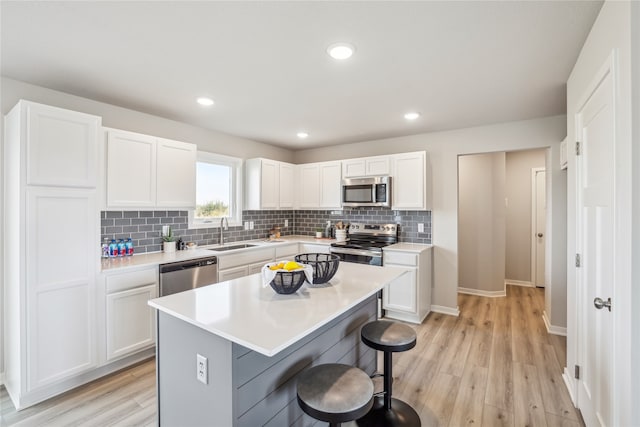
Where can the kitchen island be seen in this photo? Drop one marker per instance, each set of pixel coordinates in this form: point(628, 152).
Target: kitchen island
point(255, 342)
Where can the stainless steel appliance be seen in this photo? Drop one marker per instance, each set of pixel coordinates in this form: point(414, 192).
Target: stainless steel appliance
point(184, 275)
point(369, 191)
point(365, 243)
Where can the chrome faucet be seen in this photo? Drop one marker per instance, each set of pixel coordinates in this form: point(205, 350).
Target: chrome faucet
point(224, 225)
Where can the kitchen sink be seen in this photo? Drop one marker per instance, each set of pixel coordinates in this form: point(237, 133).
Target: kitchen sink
point(230, 248)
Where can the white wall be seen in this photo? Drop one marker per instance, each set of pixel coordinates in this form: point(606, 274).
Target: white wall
point(611, 31)
point(443, 149)
point(126, 119)
point(635, 133)
point(481, 223)
point(518, 223)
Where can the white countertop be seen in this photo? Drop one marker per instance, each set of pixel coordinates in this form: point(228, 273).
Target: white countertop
point(256, 317)
point(156, 258)
point(408, 247)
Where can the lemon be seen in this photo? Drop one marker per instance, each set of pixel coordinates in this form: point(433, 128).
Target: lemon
point(278, 266)
point(292, 265)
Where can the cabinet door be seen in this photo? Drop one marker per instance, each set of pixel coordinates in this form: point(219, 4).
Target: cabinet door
point(330, 184)
point(62, 253)
point(353, 167)
point(131, 170)
point(400, 294)
point(232, 273)
point(286, 185)
point(309, 186)
point(409, 181)
point(130, 321)
point(308, 248)
point(176, 174)
point(377, 166)
point(62, 147)
point(270, 184)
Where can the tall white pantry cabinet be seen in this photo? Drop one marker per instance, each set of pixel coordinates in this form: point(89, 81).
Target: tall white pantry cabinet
point(51, 249)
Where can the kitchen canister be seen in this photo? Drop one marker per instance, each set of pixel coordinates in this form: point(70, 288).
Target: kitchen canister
point(341, 235)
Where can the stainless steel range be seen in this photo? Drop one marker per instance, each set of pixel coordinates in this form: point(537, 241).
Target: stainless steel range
point(365, 243)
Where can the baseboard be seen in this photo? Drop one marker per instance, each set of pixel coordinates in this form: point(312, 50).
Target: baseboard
point(568, 382)
point(554, 330)
point(482, 293)
point(519, 283)
point(445, 310)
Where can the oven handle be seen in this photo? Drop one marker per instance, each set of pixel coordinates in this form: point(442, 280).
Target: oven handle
point(355, 252)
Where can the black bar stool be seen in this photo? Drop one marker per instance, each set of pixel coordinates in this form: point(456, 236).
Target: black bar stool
point(335, 393)
point(390, 337)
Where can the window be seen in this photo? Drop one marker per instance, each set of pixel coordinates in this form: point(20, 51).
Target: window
point(218, 191)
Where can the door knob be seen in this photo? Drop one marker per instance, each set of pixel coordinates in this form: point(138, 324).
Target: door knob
point(540, 234)
point(599, 303)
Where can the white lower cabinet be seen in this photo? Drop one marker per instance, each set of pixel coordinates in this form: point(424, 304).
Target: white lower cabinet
point(232, 273)
point(308, 248)
point(408, 298)
point(129, 321)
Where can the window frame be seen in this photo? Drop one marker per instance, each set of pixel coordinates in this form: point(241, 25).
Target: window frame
point(236, 189)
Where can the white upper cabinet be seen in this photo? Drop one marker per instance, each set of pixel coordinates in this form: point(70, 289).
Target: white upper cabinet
point(330, 184)
point(411, 186)
point(309, 193)
point(268, 184)
point(319, 185)
point(366, 166)
point(62, 146)
point(287, 194)
point(176, 174)
point(131, 170)
point(148, 172)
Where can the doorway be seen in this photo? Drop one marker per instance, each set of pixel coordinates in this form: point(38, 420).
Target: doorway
point(497, 232)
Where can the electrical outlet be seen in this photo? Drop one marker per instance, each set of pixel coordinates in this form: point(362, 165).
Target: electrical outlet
point(201, 369)
point(250, 225)
point(420, 227)
point(286, 222)
point(246, 225)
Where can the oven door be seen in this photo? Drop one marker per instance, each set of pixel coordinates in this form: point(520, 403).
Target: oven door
point(358, 256)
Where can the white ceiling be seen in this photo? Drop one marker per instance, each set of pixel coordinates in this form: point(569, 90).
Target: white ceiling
point(459, 63)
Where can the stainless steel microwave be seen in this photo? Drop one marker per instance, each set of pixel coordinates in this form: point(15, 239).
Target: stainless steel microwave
point(368, 191)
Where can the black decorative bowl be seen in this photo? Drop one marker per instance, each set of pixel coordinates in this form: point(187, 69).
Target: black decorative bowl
point(324, 265)
point(287, 282)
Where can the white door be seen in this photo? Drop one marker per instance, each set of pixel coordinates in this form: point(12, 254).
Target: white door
point(596, 246)
point(270, 184)
point(286, 185)
point(330, 188)
point(538, 225)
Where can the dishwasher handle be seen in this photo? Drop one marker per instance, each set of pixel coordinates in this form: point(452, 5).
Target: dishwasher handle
point(186, 265)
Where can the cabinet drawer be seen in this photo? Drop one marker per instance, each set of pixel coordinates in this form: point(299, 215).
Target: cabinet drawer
point(246, 257)
point(402, 258)
point(286, 252)
point(130, 280)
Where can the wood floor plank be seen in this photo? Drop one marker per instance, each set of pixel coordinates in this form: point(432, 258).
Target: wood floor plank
point(469, 403)
point(493, 365)
point(528, 406)
point(557, 421)
point(437, 405)
point(555, 397)
point(496, 417)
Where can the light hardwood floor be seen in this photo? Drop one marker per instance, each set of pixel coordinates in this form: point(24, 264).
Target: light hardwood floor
point(494, 365)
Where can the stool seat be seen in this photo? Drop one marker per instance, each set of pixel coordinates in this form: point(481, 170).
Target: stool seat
point(335, 392)
point(385, 335)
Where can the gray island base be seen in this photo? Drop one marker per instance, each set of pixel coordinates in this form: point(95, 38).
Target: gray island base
point(251, 373)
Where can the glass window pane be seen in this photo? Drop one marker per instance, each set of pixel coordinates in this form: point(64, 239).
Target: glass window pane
point(213, 190)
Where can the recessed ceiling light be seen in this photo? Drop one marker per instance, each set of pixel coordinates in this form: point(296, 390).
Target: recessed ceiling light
point(341, 50)
point(412, 116)
point(204, 101)
point(302, 135)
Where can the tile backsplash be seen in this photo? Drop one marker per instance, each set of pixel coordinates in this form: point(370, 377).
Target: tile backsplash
point(145, 227)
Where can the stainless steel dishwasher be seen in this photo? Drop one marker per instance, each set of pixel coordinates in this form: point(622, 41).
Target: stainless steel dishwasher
point(184, 275)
